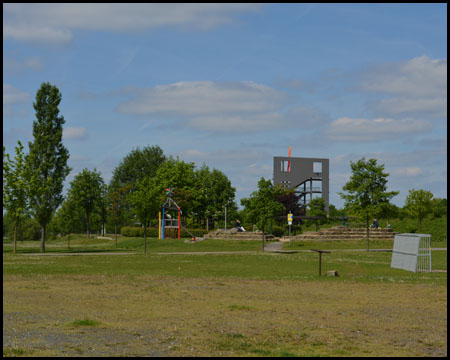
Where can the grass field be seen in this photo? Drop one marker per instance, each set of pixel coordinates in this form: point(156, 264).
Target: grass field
point(241, 304)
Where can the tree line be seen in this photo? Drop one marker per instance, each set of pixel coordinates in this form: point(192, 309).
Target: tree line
point(33, 184)
point(35, 205)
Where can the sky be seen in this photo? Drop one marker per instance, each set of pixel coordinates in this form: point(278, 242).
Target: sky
point(233, 85)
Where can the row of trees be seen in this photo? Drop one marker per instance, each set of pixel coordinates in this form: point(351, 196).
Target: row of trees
point(33, 184)
point(365, 196)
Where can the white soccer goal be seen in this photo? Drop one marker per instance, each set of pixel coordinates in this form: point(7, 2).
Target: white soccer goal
point(412, 252)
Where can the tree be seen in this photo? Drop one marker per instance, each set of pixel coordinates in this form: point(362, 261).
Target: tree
point(262, 207)
point(180, 176)
point(366, 189)
point(16, 180)
point(317, 208)
point(86, 190)
point(290, 200)
point(116, 198)
point(419, 203)
point(67, 217)
point(47, 157)
point(137, 165)
point(439, 207)
point(145, 202)
point(212, 192)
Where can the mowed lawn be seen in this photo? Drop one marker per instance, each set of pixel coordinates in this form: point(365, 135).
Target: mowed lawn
point(242, 304)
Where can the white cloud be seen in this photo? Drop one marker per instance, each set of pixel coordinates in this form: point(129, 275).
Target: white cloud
point(237, 123)
point(40, 34)
point(28, 63)
point(12, 95)
point(205, 105)
point(416, 86)
point(24, 22)
point(307, 118)
point(204, 98)
point(408, 171)
point(73, 133)
point(358, 130)
point(436, 106)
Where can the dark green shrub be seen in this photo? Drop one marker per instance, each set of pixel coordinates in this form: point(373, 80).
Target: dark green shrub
point(29, 228)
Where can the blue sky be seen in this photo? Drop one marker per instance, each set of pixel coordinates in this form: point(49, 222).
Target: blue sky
point(233, 85)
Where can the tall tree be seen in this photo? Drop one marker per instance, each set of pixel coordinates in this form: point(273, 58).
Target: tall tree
point(67, 218)
point(317, 208)
point(212, 192)
point(47, 157)
point(116, 199)
point(419, 203)
point(366, 189)
point(136, 165)
point(86, 189)
point(180, 176)
point(262, 207)
point(16, 181)
point(146, 203)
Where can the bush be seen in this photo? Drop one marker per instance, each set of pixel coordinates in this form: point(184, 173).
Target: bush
point(31, 230)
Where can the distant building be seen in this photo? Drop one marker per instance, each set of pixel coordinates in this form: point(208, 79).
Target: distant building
point(310, 177)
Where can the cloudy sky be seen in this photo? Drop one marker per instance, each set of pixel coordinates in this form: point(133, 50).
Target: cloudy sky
point(233, 85)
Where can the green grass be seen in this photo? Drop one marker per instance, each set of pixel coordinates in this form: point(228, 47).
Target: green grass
point(15, 351)
point(79, 243)
point(338, 244)
point(239, 304)
point(352, 266)
point(85, 322)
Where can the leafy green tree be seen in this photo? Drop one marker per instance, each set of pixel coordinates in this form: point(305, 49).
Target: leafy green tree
point(366, 190)
point(211, 193)
point(262, 207)
point(317, 208)
point(439, 207)
point(67, 218)
point(419, 204)
point(388, 211)
point(16, 181)
point(136, 165)
point(201, 205)
point(333, 211)
point(180, 176)
point(146, 203)
point(86, 190)
point(47, 157)
point(117, 198)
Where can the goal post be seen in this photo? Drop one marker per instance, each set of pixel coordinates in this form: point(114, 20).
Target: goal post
point(412, 252)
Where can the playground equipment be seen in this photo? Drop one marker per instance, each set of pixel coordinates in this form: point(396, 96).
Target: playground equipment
point(169, 221)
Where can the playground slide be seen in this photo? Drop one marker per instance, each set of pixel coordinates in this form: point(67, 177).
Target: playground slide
point(192, 235)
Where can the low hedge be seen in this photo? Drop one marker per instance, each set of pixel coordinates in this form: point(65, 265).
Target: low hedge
point(153, 232)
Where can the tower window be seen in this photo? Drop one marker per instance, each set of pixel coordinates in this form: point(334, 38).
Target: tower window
point(285, 166)
point(317, 167)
